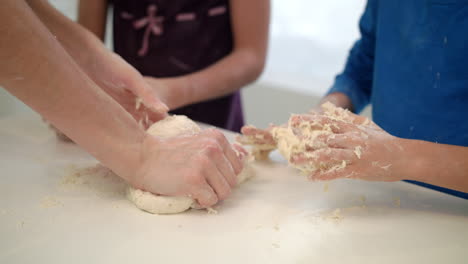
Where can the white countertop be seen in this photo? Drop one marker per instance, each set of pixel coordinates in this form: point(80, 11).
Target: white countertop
point(276, 217)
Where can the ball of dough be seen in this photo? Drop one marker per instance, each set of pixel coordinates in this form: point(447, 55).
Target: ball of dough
point(157, 204)
point(172, 126)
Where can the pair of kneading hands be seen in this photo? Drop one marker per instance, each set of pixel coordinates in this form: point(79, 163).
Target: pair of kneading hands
point(66, 75)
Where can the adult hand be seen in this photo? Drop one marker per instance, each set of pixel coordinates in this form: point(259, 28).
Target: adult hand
point(202, 166)
point(127, 86)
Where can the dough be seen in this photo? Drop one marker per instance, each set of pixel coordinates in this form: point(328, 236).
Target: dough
point(156, 204)
point(298, 139)
point(293, 140)
point(289, 143)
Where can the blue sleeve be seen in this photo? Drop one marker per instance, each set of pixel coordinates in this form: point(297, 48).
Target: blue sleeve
point(356, 79)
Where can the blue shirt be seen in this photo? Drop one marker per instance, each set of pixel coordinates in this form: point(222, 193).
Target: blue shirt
point(411, 64)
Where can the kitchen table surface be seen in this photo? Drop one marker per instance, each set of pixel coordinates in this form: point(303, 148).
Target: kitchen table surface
point(55, 210)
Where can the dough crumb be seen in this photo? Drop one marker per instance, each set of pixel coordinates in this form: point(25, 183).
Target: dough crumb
point(21, 224)
point(275, 245)
point(358, 151)
point(211, 211)
point(335, 215)
point(397, 202)
point(325, 187)
point(50, 201)
point(138, 103)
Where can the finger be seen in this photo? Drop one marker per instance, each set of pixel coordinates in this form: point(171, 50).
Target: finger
point(239, 149)
point(204, 195)
point(227, 149)
point(215, 178)
point(224, 166)
point(330, 156)
point(258, 136)
point(241, 152)
point(347, 173)
point(150, 100)
point(346, 141)
point(146, 96)
point(321, 122)
point(60, 135)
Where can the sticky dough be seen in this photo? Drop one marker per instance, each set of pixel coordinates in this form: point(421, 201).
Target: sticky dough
point(289, 143)
point(169, 127)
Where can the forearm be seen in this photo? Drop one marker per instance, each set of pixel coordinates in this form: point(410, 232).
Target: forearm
point(80, 44)
point(37, 70)
point(224, 77)
point(250, 28)
point(438, 164)
point(92, 14)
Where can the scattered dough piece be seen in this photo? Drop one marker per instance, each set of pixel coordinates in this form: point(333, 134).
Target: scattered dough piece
point(169, 127)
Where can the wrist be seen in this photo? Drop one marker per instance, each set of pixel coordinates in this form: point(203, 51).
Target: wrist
point(413, 162)
point(178, 91)
point(136, 175)
point(128, 159)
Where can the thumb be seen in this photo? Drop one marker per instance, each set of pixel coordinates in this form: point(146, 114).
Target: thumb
point(146, 96)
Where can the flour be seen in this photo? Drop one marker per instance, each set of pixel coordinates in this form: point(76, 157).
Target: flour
point(298, 139)
point(169, 127)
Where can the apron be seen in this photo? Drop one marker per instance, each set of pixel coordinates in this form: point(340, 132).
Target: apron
point(170, 38)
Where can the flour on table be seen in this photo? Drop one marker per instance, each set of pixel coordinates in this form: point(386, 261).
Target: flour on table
point(172, 126)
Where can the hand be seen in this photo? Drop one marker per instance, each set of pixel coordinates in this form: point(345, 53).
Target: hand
point(262, 141)
point(202, 166)
point(368, 151)
point(171, 91)
point(126, 85)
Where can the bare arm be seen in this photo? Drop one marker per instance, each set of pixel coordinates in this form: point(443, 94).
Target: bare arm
point(105, 68)
point(92, 14)
point(438, 164)
point(35, 68)
point(250, 21)
point(373, 154)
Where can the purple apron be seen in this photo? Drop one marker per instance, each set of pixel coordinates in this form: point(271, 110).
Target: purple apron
point(168, 38)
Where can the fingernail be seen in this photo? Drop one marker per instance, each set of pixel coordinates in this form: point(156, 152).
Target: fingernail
point(162, 107)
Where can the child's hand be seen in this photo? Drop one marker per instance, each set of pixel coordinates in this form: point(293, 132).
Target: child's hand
point(262, 141)
point(370, 153)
